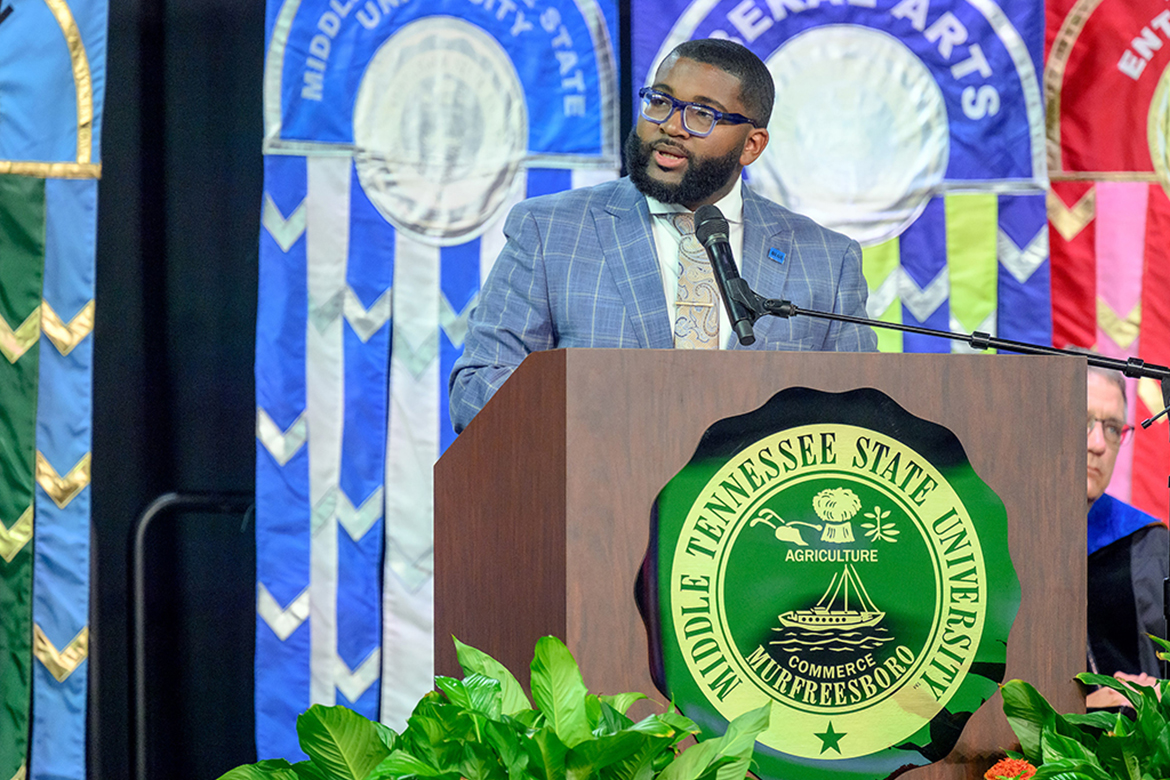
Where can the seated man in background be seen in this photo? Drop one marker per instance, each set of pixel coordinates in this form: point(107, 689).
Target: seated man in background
point(1127, 555)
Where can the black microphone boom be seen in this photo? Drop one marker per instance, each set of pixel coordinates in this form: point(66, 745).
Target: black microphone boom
point(738, 299)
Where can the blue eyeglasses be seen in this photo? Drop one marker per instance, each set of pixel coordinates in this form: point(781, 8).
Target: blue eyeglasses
point(697, 119)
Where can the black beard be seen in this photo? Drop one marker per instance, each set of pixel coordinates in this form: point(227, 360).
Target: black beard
point(703, 178)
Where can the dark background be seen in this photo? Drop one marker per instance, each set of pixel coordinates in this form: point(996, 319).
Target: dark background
point(174, 403)
point(174, 406)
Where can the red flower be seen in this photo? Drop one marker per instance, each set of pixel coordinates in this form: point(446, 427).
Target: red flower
point(1010, 769)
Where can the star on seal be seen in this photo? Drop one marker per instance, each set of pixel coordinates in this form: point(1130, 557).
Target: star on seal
point(830, 738)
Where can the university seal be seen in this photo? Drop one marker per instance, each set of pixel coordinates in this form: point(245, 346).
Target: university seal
point(838, 558)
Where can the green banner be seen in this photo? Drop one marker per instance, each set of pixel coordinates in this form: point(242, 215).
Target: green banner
point(22, 249)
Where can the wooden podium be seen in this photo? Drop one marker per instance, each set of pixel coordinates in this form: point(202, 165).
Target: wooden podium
point(542, 505)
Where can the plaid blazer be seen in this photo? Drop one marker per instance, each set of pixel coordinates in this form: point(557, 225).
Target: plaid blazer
point(580, 270)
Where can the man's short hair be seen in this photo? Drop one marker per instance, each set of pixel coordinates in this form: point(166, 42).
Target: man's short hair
point(1109, 375)
point(757, 92)
point(1116, 378)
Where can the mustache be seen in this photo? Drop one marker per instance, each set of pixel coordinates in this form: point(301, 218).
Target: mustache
point(671, 147)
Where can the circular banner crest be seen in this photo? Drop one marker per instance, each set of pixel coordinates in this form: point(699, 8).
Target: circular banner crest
point(839, 558)
point(880, 106)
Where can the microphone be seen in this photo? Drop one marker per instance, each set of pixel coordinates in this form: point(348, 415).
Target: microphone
point(711, 230)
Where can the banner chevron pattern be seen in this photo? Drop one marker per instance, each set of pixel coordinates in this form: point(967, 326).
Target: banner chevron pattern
point(942, 172)
point(375, 237)
point(51, 94)
point(1108, 209)
point(22, 245)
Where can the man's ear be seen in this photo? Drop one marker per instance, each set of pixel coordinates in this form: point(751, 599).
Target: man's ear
point(754, 146)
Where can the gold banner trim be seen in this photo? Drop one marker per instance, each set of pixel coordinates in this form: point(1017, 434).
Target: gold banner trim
point(63, 489)
point(1123, 331)
point(13, 540)
point(47, 170)
point(82, 79)
point(66, 337)
point(65, 662)
point(1070, 222)
point(14, 343)
point(1062, 46)
point(1137, 177)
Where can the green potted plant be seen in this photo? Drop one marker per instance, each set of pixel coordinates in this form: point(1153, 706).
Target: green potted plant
point(1098, 745)
point(484, 727)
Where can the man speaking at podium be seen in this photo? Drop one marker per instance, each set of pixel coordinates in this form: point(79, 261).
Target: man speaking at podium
point(618, 264)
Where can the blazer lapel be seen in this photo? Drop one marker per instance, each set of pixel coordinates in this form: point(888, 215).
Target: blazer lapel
point(767, 247)
point(623, 231)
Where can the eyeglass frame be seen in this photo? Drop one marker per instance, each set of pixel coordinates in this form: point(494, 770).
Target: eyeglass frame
point(1126, 430)
point(681, 105)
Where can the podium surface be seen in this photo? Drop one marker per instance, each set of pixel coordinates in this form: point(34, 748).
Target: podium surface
point(542, 505)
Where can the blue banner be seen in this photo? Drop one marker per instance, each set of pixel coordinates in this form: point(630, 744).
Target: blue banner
point(397, 136)
point(889, 113)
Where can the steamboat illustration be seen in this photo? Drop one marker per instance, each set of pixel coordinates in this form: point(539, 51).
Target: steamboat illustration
point(845, 605)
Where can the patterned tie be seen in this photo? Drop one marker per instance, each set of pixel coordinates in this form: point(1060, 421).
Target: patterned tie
point(696, 318)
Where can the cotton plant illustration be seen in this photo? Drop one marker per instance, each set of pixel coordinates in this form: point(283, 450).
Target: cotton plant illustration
point(880, 530)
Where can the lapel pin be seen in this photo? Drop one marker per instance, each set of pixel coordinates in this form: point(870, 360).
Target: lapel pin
point(776, 255)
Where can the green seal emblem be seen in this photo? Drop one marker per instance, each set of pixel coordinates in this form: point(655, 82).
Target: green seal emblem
point(839, 558)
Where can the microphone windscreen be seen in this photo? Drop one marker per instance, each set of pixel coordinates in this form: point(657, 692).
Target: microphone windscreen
point(709, 221)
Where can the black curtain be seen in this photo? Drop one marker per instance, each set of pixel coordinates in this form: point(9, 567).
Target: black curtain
point(174, 408)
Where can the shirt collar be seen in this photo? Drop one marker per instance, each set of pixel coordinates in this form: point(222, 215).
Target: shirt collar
point(730, 205)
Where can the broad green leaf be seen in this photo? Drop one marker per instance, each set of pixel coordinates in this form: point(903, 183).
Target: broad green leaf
point(655, 726)
point(611, 721)
point(740, 742)
point(643, 763)
point(693, 762)
point(475, 661)
point(454, 691)
point(740, 738)
point(1100, 719)
point(1091, 678)
point(1027, 713)
point(675, 724)
point(1121, 687)
point(679, 721)
point(438, 725)
point(734, 770)
point(594, 754)
point(546, 754)
point(388, 735)
point(1056, 746)
point(623, 701)
point(271, 769)
point(1157, 733)
point(484, 694)
point(531, 719)
point(1070, 769)
point(723, 757)
point(471, 698)
point(505, 740)
point(480, 763)
point(401, 763)
point(340, 741)
point(592, 711)
point(307, 770)
point(559, 691)
point(1118, 755)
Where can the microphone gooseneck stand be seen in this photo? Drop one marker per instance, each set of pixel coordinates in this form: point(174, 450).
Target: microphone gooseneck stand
point(745, 306)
